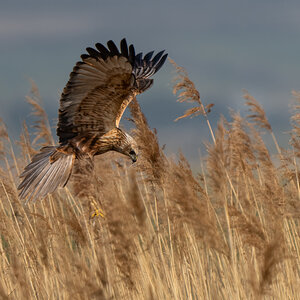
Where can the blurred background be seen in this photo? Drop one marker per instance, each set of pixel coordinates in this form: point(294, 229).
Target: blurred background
point(225, 46)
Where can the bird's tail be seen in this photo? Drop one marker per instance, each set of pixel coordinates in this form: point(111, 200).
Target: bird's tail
point(48, 169)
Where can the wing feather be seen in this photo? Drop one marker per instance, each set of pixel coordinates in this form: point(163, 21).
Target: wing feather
point(101, 86)
point(103, 51)
point(92, 52)
point(124, 48)
point(113, 48)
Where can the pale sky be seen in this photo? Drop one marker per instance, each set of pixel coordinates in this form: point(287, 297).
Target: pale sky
point(225, 46)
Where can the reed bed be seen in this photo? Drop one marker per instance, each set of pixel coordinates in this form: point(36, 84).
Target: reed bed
point(230, 231)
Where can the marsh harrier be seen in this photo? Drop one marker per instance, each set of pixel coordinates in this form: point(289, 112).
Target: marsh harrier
point(99, 89)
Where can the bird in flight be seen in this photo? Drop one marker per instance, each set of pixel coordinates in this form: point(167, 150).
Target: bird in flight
point(91, 106)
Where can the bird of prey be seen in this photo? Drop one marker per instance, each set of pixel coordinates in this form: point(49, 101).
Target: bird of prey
point(98, 91)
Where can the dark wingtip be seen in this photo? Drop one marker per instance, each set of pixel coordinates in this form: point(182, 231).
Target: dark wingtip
point(131, 56)
point(161, 62)
point(146, 66)
point(113, 48)
point(157, 57)
point(92, 52)
point(148, 56)
point(139, 59)
point(103, 50)
point(84, 56)
point(124, 47)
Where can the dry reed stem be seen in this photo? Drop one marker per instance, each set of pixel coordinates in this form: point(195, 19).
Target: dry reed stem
point(190, 94)
point(41, 125)
point(152, 160)
point(230, 233)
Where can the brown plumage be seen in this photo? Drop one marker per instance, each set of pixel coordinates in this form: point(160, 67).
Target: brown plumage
point(91, 106)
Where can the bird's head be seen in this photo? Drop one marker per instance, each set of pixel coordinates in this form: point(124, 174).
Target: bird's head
point(131, 151)
point(129, 147)
point(133, 155)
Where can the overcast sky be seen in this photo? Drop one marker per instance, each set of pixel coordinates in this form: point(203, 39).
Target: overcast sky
point(225, 46)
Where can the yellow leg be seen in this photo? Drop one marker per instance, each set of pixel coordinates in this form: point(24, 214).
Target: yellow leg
point(97, 210)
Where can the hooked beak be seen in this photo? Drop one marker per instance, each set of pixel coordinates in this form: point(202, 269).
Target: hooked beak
point(133, 157)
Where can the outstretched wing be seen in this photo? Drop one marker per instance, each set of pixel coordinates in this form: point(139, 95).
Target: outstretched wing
point(101, 86)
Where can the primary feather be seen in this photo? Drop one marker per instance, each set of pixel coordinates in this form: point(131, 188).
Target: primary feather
point(91, 106)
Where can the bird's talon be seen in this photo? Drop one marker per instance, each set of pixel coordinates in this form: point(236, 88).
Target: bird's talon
point(98, 212)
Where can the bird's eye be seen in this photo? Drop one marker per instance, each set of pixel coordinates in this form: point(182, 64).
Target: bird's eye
point(131, 152)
